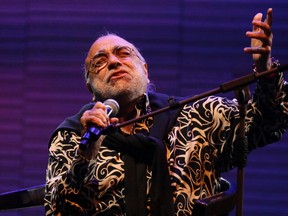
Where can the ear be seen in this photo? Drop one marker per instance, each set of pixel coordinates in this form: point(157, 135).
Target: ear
point(145, 66)
point(90, 90)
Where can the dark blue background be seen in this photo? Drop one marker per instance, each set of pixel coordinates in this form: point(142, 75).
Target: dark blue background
point(190, 46)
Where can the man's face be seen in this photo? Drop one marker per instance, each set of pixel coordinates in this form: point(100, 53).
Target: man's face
point(121, 78)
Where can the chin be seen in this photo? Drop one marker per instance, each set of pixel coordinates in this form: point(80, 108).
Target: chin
point(122, 90)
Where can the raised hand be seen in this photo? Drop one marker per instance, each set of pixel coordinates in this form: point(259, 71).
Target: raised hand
point(261, 41)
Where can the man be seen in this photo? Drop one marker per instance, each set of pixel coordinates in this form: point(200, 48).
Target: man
point(161, 164)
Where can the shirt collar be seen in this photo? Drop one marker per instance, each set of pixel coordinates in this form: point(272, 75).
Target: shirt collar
point(143, 105)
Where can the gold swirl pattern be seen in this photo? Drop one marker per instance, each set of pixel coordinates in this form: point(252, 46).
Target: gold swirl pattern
point(199, 145)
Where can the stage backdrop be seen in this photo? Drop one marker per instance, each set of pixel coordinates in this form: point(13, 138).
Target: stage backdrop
point(191, 46)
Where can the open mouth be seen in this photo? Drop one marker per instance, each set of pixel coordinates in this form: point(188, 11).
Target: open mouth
point(118, 75)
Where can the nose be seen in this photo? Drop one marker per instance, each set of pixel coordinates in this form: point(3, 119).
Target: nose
point(113, 61)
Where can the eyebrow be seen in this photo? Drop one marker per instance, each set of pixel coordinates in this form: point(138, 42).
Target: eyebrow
point(113, 48)
point(99, 53)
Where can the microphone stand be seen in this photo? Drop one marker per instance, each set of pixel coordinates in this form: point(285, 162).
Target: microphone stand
point(225, 87)
point(242, 94)
point(241, 145)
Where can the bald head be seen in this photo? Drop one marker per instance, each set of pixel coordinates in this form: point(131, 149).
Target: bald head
point(105, 42)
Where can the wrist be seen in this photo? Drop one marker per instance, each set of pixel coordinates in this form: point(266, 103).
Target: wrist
point(273, 63)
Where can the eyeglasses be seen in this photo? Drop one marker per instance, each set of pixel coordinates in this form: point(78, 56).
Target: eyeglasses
point(100, 60)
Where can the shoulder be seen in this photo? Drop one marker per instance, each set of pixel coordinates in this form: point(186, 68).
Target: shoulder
point(216, 100)
point(72, 123)
point(160, 100)
point(213, 105)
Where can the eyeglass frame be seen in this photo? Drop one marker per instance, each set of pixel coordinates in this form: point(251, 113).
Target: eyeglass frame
point(114, 52)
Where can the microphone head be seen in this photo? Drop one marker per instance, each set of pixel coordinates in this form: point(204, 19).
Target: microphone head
point(112, 107)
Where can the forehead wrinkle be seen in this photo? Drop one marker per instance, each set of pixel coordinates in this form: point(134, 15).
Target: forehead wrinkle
point(106, 50)
point(105, 42)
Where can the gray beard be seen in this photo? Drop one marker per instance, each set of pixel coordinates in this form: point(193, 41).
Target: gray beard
point(123, 95)
point(121, 91)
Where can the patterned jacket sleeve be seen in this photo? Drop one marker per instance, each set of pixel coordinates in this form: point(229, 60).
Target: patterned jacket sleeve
point(271, 101)
point(69, 182)
point(266, 118)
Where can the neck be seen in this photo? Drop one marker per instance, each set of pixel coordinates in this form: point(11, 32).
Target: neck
point(127, 108)
point(125, 115)
point(128, 112)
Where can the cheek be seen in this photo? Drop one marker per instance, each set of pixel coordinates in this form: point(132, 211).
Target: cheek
point(100, 77)
point(95, 83)
point(140, 70)
point(145, 75)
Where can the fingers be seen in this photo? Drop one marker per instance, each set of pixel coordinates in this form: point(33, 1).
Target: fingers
point(261, 34)
point(258, 24)
point(114, 121)
point(97, 115)
point(261, 30)
point(257, 18)
point(268, 19)
point(258, 50)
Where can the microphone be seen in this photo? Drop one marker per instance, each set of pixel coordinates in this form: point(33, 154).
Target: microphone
point(94, 132)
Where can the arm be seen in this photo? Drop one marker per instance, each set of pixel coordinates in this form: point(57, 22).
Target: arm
point(70, 184)
point(267, 112)
point(68, 179)
point(266, 117)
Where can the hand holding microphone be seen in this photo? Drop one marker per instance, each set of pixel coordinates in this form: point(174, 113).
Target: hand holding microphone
point(99, 116)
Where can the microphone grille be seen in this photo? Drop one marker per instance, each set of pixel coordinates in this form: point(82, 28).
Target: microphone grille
point(113, 105)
